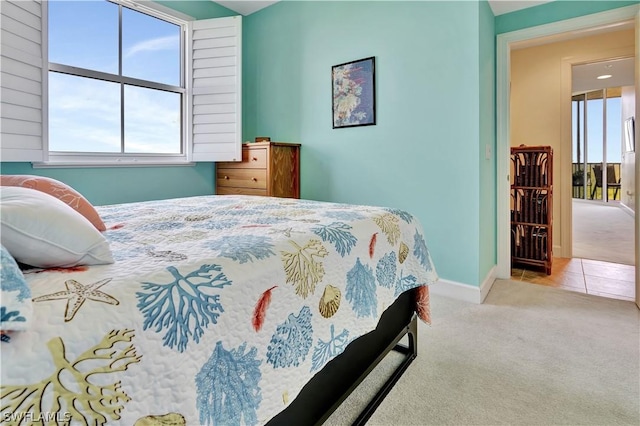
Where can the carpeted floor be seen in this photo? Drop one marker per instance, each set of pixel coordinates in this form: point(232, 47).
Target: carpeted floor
point(602, 232)
point(530, 355)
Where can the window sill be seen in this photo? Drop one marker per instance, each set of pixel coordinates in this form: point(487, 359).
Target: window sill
point(100, 164)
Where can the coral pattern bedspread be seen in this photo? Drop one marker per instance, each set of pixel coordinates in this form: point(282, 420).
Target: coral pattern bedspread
point(217, 310)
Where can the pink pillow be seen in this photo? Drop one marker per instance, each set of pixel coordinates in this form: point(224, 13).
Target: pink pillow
point(59, 190)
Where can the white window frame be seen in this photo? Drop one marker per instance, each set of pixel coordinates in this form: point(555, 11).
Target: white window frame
point(89, 159)
point(212, 110)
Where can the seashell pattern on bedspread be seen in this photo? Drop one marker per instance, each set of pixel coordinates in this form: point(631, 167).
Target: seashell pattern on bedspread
point(216, 308)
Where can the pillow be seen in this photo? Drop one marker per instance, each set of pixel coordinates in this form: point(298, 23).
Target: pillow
point(40, 230)
point(59, 190)
point(15, 304)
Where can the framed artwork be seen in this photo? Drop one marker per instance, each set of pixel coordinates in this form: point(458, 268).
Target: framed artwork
point(354, 93)
point(629, 135)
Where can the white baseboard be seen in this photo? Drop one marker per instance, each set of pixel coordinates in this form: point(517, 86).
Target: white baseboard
point(465, 292)
point(627, 209)
point(557, 251)
point(486, 285)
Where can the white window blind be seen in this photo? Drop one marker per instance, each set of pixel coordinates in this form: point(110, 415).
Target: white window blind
point(21, 81)
point(217, 89)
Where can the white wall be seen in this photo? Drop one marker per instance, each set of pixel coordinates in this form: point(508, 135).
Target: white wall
point(628, 166)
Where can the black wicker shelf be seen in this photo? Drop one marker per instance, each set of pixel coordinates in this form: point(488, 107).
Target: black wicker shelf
point(532, 206)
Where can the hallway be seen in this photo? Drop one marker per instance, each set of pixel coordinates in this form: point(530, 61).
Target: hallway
point(602, 231)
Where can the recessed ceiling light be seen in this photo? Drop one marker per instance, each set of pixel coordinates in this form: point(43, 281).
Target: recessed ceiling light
point(604, 76)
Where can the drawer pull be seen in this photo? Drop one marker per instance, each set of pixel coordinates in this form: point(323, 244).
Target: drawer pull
point(254, 158)
point(254, 179)
point(226, 177)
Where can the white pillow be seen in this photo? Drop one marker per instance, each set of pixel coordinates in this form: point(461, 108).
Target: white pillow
point(40, 230)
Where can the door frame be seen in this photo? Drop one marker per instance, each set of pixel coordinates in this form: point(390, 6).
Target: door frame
point(571, 28)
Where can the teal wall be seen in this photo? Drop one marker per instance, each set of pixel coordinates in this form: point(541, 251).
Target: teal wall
point(199, 9)
point(109, 185)
point(487, 107)
point(554, 11)
point(423, 155)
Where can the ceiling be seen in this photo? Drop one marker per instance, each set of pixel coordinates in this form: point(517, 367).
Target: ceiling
point(499, 7)
point(584, 77)
point(246, 7)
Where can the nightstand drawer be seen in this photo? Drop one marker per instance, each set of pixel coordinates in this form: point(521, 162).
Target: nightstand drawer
point(242, 178)
point(229, 190)
point(252, 158)
point(267, 168)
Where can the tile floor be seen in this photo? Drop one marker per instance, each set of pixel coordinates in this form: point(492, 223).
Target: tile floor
point(605, 279)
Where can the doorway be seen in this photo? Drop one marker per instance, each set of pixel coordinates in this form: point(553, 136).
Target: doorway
point(602, 222)
point(604, 21)
point(602, 229)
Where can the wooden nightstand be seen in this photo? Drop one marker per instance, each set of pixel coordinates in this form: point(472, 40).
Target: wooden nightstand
point(267, 168)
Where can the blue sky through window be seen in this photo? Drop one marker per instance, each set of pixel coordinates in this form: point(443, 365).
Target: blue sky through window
point(84, 113)
point(595, 131)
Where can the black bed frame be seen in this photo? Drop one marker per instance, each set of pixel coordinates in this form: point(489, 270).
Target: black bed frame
point(335, 382)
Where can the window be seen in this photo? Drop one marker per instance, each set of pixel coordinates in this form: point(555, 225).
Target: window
point(597, 144)
point(118, 82)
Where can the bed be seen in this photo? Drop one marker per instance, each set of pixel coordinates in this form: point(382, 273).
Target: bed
point(219, 310)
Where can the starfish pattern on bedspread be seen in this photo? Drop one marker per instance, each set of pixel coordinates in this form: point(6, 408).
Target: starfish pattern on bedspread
point(76, 294)
point(236, 303)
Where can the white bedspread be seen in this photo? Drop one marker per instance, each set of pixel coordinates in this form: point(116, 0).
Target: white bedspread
point(217, 310)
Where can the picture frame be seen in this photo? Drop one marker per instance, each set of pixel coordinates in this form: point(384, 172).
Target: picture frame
point(353, 86)
point(629, 135)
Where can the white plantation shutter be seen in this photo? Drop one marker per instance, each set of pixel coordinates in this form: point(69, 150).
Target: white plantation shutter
point(21, 81)
point(217, 89)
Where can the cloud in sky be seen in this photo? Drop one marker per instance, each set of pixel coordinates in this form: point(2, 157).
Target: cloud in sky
point(84, 115)
point(153, 45)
